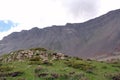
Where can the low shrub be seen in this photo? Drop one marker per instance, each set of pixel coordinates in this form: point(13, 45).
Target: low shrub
point(64, 77)
point(116, 65)
point(104, 67)
point(38, 69)
point(14, 74)
point(54, 75)
point(11, 74)
point(34, 59)
point(40, 49)
point(77, 58)
point(77, 76)
point(5, 68)
point(42, 75)
point(116, 77)
point(89, 59)
point(0, 64)
point(48, 63)
point(49, 78)
point(3, 78)
point(113, 76)
point(21, 79)
point(80, 65)
point(35, 63)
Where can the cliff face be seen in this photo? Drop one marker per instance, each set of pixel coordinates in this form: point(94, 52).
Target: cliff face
point(98, 36)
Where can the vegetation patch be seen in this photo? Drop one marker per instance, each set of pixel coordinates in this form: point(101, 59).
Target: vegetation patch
point(79, 64)
point(40, 64)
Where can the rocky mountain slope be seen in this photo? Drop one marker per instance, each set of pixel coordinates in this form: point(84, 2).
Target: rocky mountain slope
point(97, 37)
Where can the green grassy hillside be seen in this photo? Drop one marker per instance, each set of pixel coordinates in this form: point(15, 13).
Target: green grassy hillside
point(41, 64)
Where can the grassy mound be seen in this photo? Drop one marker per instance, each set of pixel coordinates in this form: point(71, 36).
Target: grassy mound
point(41, 64)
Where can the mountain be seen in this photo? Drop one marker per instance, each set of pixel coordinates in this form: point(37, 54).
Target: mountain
point(96, 37)
point(42, 64)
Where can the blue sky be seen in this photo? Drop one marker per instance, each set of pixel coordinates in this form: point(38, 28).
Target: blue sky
point(43, 13)
point(6, 25)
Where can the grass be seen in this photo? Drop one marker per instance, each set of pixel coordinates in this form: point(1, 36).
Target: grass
point(67, 69)
point(62, 70)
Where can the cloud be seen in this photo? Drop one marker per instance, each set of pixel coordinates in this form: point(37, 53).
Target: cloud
point(43, 13)
point(32, 12)
point(108, 5)
point(82, 8)
point(46, 12)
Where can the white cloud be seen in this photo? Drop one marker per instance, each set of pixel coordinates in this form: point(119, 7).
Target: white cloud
point(31, 13)
point(108, 5)
point(83, 9)
point(42, 13)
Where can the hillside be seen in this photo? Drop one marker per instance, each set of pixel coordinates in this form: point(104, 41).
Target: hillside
point(96, 37)
point(42, 64)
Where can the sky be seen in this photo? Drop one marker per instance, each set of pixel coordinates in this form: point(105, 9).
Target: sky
point(17, 15)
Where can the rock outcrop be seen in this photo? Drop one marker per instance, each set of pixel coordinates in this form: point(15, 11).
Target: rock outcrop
point(33, 54)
